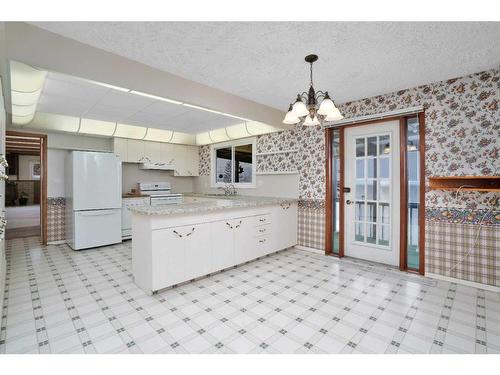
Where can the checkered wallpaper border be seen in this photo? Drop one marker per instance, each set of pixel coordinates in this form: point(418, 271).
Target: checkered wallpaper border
point(55, 218)
point(450, 251)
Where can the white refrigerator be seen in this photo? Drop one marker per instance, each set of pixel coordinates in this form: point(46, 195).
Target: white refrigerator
point(93, 197)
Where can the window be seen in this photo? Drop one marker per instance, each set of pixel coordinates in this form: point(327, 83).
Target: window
point(234, 163)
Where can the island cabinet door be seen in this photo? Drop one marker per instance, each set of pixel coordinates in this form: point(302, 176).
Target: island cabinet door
point(286, 230)
point(244, 240)
point(222, 240)
point(168, 258)
point(198, 250)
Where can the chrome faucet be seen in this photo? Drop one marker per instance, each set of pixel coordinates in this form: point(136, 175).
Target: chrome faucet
point(229, 190)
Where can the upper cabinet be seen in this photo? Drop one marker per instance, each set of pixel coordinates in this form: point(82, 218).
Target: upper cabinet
point(186, 160)
point(182, 159)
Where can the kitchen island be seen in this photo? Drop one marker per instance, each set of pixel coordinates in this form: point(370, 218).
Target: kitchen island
point(172, 244)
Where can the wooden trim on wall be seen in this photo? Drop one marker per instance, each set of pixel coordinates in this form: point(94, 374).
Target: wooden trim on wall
point(42, 138)
point(421, 213)
point(329, 192)
point(403, 196)
point(341, 193)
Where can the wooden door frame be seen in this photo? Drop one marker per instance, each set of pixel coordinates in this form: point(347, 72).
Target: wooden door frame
point(329, 204)
point(43, 178)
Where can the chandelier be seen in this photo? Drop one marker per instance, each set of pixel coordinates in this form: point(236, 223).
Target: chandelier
point(306, 111)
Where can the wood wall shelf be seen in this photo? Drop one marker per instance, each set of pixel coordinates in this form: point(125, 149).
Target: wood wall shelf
point(466, 183)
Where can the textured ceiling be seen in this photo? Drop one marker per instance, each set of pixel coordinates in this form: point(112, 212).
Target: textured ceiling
point(70, 96)
point(264, 61)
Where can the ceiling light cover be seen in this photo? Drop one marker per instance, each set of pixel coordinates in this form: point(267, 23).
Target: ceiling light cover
point(311, 121)
point(290, 117)
point(159, 135)
point(96, 127)
point(299, 109)
point(130, 131)
point(51, 121)
point(26, 85)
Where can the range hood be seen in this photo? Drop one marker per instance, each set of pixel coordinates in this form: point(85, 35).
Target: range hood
point(145, 163)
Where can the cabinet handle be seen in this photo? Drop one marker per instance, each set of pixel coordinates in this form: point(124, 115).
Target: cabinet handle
point(238, 225)
point(262, 230)
point(262, 220)
point(229, 225)
point(178, 234)
point(190, 233)
point(262, 241)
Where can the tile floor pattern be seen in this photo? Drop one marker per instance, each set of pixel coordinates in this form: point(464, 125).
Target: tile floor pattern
point(62, 301)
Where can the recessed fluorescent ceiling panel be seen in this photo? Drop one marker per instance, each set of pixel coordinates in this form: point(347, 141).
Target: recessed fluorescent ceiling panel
point(71, 104)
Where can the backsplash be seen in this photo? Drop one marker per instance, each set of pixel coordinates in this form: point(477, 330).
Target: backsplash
point(461, 137)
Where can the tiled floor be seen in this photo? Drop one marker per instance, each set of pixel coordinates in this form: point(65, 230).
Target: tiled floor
point(62, 301)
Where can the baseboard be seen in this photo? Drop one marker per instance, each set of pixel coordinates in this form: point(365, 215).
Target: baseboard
point(473, 284)
point(310, 249)
point(60, 242)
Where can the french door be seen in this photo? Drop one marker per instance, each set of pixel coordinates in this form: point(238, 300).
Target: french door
point(372, 192)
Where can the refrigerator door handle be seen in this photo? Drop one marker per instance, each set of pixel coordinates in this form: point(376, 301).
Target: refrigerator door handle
point(96, 213)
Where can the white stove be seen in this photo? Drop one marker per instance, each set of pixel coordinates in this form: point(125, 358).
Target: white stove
point(160, 193)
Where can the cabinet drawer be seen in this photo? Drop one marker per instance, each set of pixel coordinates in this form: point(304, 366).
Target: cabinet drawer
point(262, 230)
point(263, 219)
point(263, 245)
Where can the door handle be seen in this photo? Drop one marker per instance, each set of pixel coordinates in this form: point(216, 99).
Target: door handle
point(349, 201)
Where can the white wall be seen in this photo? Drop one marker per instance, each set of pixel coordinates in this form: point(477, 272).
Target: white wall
point(24, 172)
point(131, 175)
point(55, 172)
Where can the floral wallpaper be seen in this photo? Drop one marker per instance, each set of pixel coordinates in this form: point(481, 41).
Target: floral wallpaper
point(462, 137)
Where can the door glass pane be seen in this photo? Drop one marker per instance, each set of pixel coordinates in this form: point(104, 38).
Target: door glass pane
point(335, 190)
point(359, 190)
point(243, 163)
point(372, 167)
point(360, 168)
point(371, 212)
point(223, 163)
point(384, 213)
point(372, 146)
point(384, 167)
point(384, 145)
point(413, 186)
point(371, 190)
point(384, 189)
point(359, 211)
point(359, 232)
point(371, 233)
point(384, 235)
point(360, 147)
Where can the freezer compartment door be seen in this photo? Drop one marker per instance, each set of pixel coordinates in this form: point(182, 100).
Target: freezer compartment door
point(96, 181)
point(96, 228)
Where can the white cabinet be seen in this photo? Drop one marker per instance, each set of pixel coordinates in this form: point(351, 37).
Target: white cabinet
point(286, 234)
point(135, 150)
point(127, 216)
point(152, 151)
point(222, 243)
point(186, 160)
point(167, 153)
point(180, 254)
point(120, 148)
point(183, 159)
point(168, 250)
